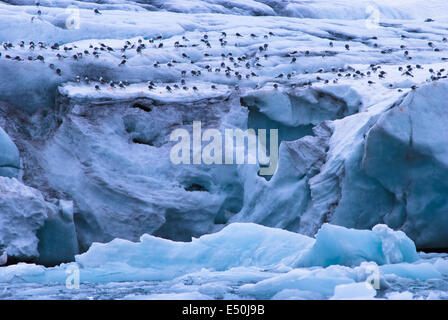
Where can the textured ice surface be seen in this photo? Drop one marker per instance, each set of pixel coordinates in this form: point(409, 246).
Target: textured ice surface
point(359, 104)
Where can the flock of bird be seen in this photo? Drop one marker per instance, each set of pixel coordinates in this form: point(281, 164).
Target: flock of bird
point(233, 67)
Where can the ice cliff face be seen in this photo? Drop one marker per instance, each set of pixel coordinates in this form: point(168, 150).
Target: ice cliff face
point(361, 114)
point(384, 165)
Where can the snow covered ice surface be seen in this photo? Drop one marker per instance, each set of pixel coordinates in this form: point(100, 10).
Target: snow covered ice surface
point(90, 93)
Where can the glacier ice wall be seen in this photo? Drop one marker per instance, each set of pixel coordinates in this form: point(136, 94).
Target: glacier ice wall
point(353, 153)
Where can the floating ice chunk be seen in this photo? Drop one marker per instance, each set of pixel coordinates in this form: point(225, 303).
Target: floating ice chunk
point(354, 291)
point(350, 247)
point(21, 272)
point(23, 211)
point(244, 260)
point(406, 152)
point(248, 244)
point(321, 282)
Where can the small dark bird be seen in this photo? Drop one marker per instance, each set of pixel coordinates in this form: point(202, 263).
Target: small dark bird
point(96, 11)
point(347, 47)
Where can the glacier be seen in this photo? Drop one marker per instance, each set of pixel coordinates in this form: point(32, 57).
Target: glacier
point(88, 101)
